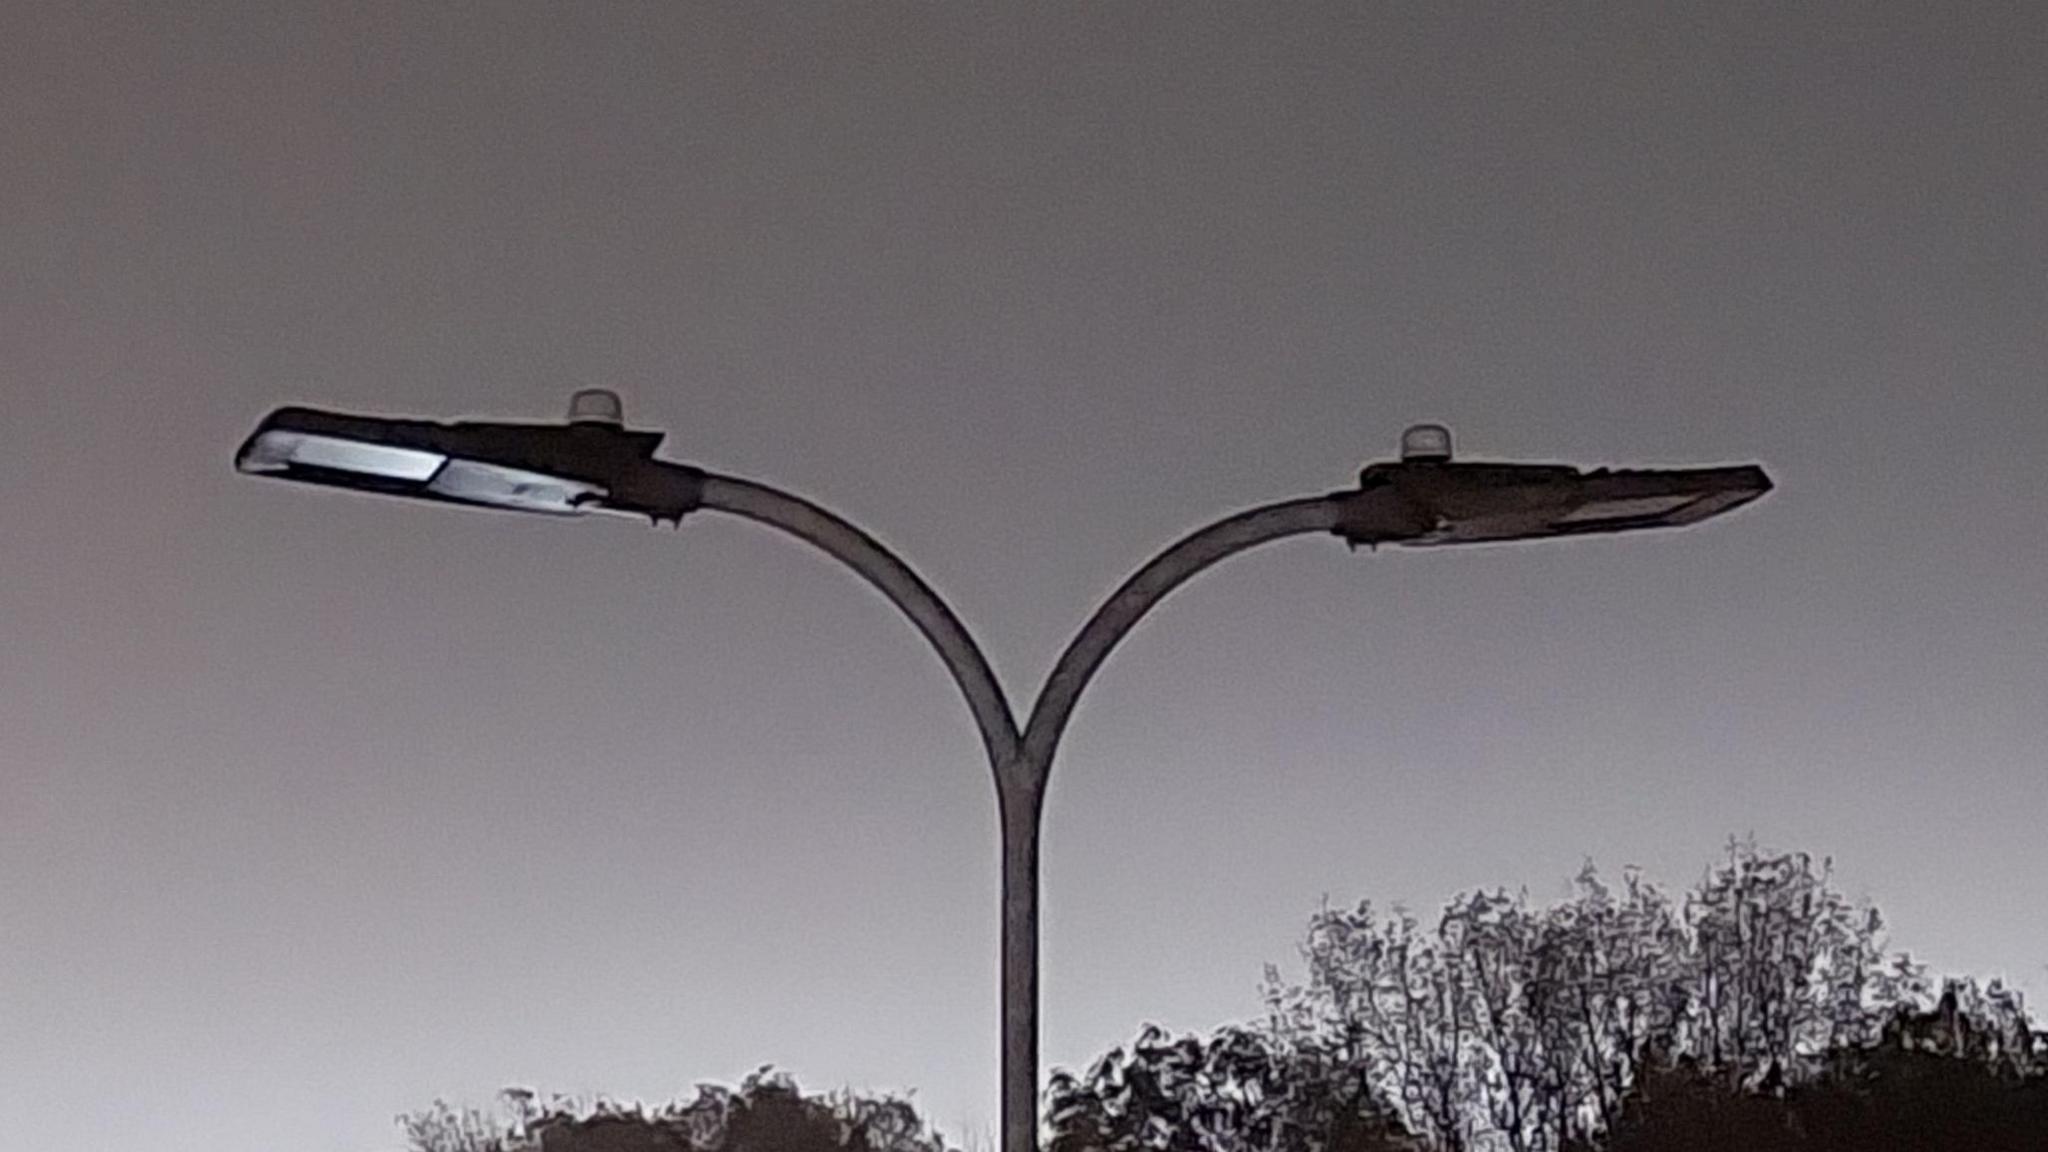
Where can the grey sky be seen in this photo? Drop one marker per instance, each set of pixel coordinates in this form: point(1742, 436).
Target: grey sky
point(314, 807)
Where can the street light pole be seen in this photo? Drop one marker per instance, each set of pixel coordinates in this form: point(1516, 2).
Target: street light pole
point(1022, 767)
point(895, 580)
point(595, 464)
point(1023, 807)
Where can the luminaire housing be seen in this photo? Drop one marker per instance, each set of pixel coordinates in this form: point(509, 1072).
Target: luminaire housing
point(589, 465)
point(595, 464)
point(1427, 500)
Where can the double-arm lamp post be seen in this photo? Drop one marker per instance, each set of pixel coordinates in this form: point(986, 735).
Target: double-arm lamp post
point(594, 464)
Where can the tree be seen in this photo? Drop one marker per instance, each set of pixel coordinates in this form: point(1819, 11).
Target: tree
point(1567, 1002)
point(1897, 1095)
point(1528, 1029)
point(1499, 942)
point(1760, 1009)
point(1238, 1091)
point(1398, 1008)
point(1783, 967)
point(1608, 986)
point(445, 1128)
point(766, 1114)
point(1986, 1025)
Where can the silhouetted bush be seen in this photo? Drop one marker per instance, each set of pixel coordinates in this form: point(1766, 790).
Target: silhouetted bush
point(1237, 1091)
point(1884, 1098)
point(766, 1114)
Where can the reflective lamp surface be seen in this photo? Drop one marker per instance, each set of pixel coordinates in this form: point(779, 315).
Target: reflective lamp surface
point(502, 487)
point(1628, 508)
point(278, 450)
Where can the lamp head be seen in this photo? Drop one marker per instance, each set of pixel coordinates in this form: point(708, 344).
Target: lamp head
point(1426, 500)
point(592, 464)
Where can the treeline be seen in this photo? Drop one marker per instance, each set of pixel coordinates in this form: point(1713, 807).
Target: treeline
point(1583, 1024)
point(1759, 1009)
point(767, 1113)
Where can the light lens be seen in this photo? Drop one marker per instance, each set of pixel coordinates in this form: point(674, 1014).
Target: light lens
point(277, 451)
point(1628, 509)
point(501, 487)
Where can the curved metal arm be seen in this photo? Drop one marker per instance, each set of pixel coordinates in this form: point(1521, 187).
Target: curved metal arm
point(893, 579)
point(1022, 763)
point(1147, 587)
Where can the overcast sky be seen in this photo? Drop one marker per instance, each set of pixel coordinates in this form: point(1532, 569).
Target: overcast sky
point(314, 807)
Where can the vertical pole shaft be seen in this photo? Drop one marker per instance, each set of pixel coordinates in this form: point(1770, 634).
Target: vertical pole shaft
point(1022, 761)
point(1020, 818)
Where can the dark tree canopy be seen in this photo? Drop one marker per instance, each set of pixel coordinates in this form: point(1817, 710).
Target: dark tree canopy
point(1506, 1026)
point(1758, 1011)
point(766, 1114)
point(1237, 1091)
point(1884, 1098)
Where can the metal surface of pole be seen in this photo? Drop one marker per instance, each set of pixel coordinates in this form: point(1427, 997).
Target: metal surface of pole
point(1077, 665)
point(896, 581)
point(1147, 587)
point(1023, 803)
point(1020, 793)
point(1020, 764)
